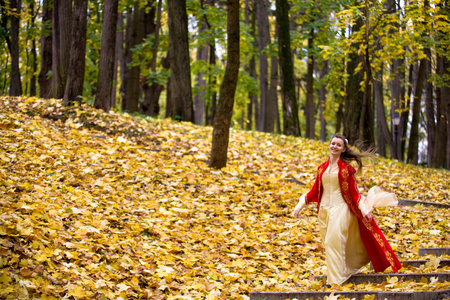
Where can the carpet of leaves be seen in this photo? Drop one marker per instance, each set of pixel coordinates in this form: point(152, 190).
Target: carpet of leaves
point(97, 205)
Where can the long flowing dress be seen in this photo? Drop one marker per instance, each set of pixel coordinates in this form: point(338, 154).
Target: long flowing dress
point(345, 251)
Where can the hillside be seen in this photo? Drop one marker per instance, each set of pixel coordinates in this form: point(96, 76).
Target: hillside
point(101, 205)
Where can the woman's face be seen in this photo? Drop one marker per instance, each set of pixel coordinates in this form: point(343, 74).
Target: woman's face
point(337, 146)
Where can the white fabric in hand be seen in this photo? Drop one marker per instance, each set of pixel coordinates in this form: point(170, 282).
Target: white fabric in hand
point(376, 198)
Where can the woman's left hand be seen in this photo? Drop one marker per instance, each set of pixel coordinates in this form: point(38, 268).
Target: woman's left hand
point(369, 217)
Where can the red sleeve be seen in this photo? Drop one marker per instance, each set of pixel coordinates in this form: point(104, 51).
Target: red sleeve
point(313, 194)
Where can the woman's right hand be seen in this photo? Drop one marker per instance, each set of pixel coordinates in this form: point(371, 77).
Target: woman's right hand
point(300, 205)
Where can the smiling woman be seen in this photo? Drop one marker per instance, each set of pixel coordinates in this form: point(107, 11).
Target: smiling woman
point(350, 235)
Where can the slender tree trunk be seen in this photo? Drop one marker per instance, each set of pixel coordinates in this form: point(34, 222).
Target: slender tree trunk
point(429, 112)
point(322, 100)
point(398, 104)
point(134, 72)
point(383, 134)
point(413, 149)
point(182, 108)
point(199, 98)
point(272, 96)
point(15, 87)
point(211, 83)
point(65, 39)
point(222, 121)
point(310, 106)
point(106, 72)
point(46, 50)
point(354, 95)
point(413, 154)
point(127, 57)
point(118, 54)
point(262, 17)
point(290, 107)
point(56, 89)
point(75, 77)
point(150, 105)
point(366, 123)
point(33, 79)
point(445, 92)
point(441, 134)
point(250, 16)
point(211, 104)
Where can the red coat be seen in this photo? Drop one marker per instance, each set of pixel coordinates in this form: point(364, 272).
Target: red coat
point(377, 247)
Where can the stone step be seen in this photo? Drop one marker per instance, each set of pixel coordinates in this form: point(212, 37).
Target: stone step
point(407, 202)
point(381, 277)
point(419, 262)
point(435, 251)
point(357, 295)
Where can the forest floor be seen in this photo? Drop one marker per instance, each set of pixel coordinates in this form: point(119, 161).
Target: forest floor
point(97, 205)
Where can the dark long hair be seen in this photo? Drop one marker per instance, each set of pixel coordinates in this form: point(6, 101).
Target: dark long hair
point(349, 155)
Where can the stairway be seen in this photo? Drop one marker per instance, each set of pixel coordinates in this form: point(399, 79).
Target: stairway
point(379, 278)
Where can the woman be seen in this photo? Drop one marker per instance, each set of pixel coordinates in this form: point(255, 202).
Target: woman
point(350, 235)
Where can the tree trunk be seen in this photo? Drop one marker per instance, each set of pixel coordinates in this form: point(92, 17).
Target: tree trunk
point(199, 98)
point(262, 17)
point(118, 54)
point(413, 149)
point(46, 50)
point(354, 95)
point(56, 89)
point(429, 111)
point(150, 105)
point(33, 79)
point(366, 123)
point(290, 107)
point(250, 17)
point(106, 72)
point(127, 57)
point(180, 74)
point(212, 82)
point(413, 154)
point(65, 39)
point(322, 100)
point(134, 72)
point(383, 134)
point(440, 146)
point(75, 78)
point(15, 85)
point(221, 130)
point(445, 92)
point(272, 96)
point(310, 108)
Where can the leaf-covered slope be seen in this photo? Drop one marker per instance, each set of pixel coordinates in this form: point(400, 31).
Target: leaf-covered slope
point(101, 205)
